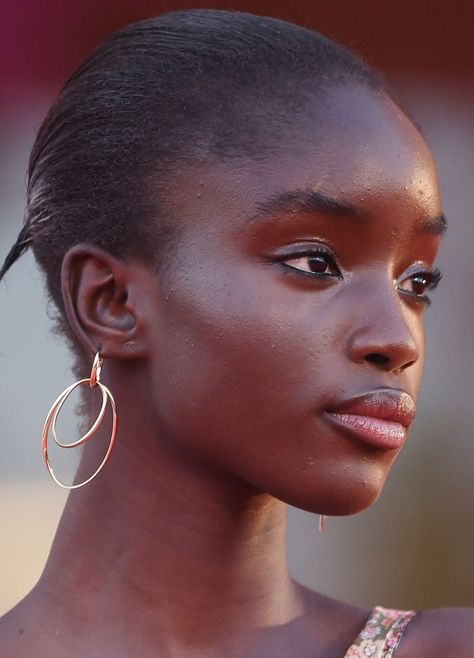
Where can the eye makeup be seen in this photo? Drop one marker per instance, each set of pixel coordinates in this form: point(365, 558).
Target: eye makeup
point(428, 279)
point(320, 262)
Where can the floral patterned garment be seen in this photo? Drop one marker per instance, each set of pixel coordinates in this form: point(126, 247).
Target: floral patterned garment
point(381, 635)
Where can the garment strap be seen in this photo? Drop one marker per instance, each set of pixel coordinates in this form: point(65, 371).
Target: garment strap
point(382, 633)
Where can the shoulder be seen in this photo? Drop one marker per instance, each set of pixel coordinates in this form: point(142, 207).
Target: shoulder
point(10, 633)
point(328, 622)
point(12, 637)
point(21, 633)
point(439, 633)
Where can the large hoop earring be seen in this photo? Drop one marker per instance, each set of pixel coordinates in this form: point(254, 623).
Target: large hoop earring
point(93, 381)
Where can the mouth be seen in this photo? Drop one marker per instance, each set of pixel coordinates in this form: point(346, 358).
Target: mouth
point(380, 418)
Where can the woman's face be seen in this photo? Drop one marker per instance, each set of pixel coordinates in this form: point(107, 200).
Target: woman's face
point(297, 285)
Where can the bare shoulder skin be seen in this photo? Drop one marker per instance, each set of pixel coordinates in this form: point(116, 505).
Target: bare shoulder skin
point(325, 627)
point(440, 633)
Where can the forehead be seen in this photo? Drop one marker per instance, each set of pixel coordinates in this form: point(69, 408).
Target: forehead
point(351, 143)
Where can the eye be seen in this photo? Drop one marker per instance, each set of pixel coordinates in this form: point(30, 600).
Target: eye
point(313, 262)
point(417, 284)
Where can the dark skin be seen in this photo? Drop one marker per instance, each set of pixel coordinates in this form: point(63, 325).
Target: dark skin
point(222, 368)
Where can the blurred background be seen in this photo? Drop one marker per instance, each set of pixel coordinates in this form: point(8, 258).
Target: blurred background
point(415, 546)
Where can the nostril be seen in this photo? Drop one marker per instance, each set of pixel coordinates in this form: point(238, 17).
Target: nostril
point(381, 360)
point(376, 347)
point(378, 359)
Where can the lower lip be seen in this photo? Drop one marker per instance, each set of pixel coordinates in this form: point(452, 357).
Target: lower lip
point(384, 434)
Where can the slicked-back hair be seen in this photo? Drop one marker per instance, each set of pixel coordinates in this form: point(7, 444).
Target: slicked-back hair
point(174, 90)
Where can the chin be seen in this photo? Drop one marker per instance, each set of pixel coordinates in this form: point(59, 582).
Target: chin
point(336, 496)
point(338, 505)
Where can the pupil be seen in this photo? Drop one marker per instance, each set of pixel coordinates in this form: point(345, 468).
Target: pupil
point(318, 263)
point(419, 284)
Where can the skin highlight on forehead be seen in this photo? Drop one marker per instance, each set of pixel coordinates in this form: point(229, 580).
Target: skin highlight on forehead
point(345, 156)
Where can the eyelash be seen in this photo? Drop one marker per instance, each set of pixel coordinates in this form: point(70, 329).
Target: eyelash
point(434, 276)
point(319, 251)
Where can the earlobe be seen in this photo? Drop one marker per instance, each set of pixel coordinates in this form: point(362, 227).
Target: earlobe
point(95, 288)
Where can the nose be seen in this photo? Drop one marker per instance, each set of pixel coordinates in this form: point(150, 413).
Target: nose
point(382, 335)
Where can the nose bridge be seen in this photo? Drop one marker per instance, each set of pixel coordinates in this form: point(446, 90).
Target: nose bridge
point(382, 333)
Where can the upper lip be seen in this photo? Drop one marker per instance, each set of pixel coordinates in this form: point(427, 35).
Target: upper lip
point(384, 403)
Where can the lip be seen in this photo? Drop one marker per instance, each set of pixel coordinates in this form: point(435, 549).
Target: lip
point(379, 418)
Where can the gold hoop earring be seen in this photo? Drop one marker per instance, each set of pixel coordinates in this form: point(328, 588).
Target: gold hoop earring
point(322, 522)
point(93, 381)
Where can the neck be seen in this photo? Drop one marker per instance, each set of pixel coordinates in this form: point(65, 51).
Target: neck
point(162, 542)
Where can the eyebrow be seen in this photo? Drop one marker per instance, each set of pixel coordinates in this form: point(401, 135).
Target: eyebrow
point(435, 225)
point(307, 201)
point(304, 201)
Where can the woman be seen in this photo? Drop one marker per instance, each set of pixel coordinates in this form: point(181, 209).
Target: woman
point(239, 224)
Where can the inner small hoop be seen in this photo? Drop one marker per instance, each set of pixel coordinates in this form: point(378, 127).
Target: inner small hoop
point(53, 412)
point(51, 421)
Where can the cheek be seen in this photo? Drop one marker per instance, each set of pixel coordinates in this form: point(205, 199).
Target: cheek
point(236, 362)
point(241, 377)
point(229, 354)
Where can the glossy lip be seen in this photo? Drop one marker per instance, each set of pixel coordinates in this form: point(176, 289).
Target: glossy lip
point(379, 418)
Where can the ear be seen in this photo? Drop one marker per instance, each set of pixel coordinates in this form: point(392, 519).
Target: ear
point(104, 305)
